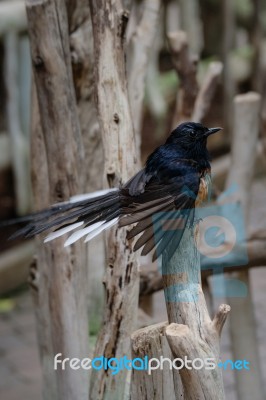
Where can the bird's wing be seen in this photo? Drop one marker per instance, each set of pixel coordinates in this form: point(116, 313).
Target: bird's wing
point(163, 209)
point(136, 185)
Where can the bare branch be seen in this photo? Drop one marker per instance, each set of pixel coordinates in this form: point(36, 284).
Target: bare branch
point(184, 344)
point(207, 91)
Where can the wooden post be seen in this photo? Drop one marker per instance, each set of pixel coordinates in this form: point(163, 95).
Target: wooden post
point(228, 82)
point(159, 384)
point(59, 278)
point(191, 332)
point(191, 23)
point(139, 48)
point(18, 139)
point(82, 57)
point(244, 346)
point(121, 281)
point(12, 16)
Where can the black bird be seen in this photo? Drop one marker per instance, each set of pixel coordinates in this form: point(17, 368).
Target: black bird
point(175, 179)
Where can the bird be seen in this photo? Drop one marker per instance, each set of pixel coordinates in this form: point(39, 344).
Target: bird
point(158, 201)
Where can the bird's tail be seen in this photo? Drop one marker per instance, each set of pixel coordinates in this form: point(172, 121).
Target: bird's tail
point(82, 216)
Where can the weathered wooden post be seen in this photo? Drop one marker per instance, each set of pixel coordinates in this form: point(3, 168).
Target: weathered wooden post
point(59, 278)
point(191, 332)
point(109, 20)
point(244, 144)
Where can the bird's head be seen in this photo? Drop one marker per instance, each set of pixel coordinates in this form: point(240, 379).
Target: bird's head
point(190, 135)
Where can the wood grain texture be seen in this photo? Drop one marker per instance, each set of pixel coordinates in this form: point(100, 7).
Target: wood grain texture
point(159, 384)
point(59, 278)
point(109, 21)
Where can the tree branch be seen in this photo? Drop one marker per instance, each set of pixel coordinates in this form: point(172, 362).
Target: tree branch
point(207, 91)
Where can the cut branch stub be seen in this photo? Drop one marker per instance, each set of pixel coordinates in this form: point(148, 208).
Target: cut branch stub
point(158, 384)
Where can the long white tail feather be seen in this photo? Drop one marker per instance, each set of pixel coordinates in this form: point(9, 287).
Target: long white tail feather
point(82, 232)
point(87, 196)
point(62, 231)
point(102, 228)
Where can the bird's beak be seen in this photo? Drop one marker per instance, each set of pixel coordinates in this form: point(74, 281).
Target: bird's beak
point(211, 131)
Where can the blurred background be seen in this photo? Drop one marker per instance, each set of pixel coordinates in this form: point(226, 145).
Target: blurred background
point(228, 35)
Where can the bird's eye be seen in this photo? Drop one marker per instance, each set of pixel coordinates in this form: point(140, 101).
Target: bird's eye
point(192, 134)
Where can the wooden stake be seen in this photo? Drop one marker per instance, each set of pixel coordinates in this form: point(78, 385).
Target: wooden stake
point(242, 325)
point(151, 342)
point(12, 16)
point(18, 139)
point(192, 333)
point(121, 281)
point(59, 280)
point(140, 45)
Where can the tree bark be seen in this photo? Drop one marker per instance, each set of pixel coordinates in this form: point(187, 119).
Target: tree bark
point(59, 279)
point(121, 281)
point(82, 57)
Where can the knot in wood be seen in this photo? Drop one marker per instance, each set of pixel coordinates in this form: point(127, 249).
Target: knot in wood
point(116, 118)
point(123, 23)
point(38, 62)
